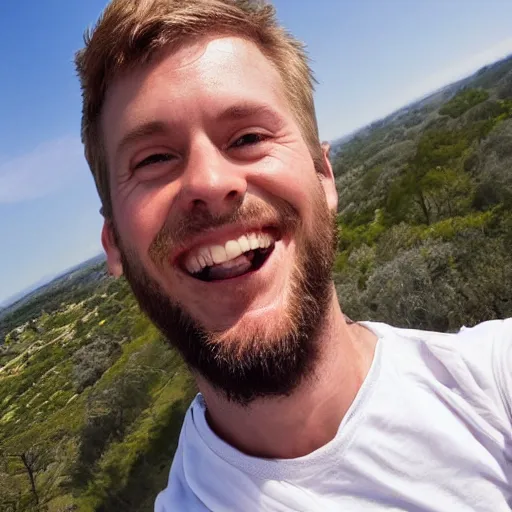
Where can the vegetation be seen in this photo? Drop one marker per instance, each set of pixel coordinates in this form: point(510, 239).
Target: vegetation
point(92, 399)
point(91, 403)
point(425, 212)
point(463, 101)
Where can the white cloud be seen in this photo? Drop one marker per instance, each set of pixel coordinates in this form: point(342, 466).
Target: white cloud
point(45, 170)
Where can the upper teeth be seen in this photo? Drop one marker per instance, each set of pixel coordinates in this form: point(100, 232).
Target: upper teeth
point(209, 255)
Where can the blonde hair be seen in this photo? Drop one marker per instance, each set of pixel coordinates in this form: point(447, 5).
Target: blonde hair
point(130, 32)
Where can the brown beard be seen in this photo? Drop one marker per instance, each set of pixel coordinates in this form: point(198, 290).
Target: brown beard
point(260, 363)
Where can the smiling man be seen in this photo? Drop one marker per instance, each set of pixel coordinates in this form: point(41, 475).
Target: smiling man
point(219, 204)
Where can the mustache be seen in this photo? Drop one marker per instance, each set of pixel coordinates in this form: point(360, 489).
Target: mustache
point(176, 232)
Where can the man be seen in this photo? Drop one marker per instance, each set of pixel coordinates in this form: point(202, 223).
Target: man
point(219, 200)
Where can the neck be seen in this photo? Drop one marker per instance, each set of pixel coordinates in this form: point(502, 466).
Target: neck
point(295, 425)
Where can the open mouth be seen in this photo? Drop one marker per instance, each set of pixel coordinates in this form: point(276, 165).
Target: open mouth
point(235, 258)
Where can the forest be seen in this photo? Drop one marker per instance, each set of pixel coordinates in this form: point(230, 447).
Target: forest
point(425, 209)
point(92, 398)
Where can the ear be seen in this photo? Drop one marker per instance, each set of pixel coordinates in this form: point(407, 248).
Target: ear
point(327, 179)
point(108, 240)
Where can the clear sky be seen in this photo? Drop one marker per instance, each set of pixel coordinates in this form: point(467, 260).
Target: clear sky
point(370, 57)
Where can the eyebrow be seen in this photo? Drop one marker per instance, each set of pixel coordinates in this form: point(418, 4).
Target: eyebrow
point(245, 110)
point(233, 113)
point(141, 132)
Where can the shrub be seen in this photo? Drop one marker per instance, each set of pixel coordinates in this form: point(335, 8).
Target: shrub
point(91, 361)
point(463, 101)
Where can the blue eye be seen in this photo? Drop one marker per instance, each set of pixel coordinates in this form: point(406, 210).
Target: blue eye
point(154, 159)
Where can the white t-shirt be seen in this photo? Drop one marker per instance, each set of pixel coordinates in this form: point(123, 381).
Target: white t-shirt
point(429, 430)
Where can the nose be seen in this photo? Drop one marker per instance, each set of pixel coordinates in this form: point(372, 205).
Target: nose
point(211, 181)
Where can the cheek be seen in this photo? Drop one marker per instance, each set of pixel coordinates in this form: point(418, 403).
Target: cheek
point(140, 216)
point(290, 176)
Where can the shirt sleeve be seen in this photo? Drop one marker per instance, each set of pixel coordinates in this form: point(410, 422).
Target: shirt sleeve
point(502, 363)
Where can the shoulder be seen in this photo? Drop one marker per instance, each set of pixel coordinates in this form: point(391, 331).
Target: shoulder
point(486, 347)
point(475, 362)
point(486, 351)
point(481, 346)
point(469, 342)
point(495, 330)
point(496, 337)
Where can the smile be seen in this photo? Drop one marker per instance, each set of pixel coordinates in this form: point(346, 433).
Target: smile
point(233, 258)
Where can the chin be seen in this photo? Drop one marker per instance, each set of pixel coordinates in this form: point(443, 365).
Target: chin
point(263, 326)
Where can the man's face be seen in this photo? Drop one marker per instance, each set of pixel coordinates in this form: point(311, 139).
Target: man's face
point(222, 224)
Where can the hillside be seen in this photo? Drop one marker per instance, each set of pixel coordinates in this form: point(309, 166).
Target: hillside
point(91, 400)
point(77, 282)
point(425, 201)
point(91, 397)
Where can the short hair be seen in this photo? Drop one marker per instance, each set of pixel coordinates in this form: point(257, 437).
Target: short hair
point(130, 32)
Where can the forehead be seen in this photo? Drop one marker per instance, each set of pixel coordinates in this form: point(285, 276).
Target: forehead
point(205, 75)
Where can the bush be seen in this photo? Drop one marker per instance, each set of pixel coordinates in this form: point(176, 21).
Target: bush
point(484, 111)
point(91, 361)
point(505, 87)
point(463, 101)
point(109, 414)
point(435, 285)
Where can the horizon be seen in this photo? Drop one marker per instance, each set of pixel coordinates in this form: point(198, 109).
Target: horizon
point(44, 177)
point(45, 280)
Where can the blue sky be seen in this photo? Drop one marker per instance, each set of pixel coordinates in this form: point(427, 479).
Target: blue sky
point(370, 57)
